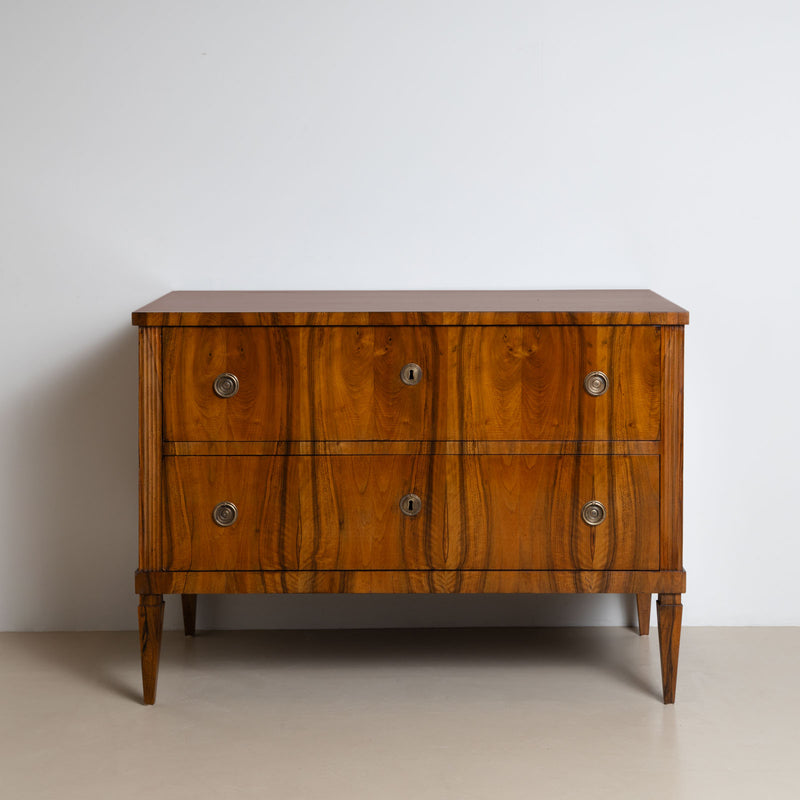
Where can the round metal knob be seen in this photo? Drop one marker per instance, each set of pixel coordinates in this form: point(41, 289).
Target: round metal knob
point(596, 383)
point(224, 514)
point(226, 385)
point(411, 505)
point(593, 513)
point(411, 374)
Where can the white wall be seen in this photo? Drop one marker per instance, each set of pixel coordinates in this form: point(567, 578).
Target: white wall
point(151, 146)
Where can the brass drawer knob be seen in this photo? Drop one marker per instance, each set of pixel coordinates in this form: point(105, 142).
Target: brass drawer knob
point(226, 385)
point(224, 514)
point(411, 374)
point(411, 505)
point(596, 383)
point(593, 512)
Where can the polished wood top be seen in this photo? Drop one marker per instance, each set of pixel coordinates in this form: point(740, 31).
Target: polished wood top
point(523, 307)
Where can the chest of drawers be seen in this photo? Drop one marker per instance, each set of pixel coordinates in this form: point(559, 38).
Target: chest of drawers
point(410, 442)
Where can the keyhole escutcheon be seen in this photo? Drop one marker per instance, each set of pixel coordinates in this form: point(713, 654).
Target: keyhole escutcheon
point(411, 505)
point(411, 374)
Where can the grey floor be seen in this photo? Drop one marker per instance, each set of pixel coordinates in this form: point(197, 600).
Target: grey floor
point(417, 715)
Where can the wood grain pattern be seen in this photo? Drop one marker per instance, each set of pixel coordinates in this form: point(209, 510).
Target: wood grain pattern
point(354, 389)
point(150, 436)
point(643, 606)
point(478, 512)
point(412, 448)
point(672, 449)
point(266, 367)
point(554, 307)
point(301, 384)
point(524, 512)
point(411, 581)
point(670, 613)
point(151, 623)
point(301, 512)
point(479, 384)
point(257, 540)
point(526, 383)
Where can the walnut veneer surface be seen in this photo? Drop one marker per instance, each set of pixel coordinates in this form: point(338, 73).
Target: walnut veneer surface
point(321, 440)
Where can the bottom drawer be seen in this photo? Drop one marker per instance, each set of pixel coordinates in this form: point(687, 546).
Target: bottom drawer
point(476, 512)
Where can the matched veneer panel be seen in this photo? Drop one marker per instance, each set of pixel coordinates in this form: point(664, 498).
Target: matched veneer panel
point(268, 365)
point(303, 512)
point(526, 383)
point(351, 515)
point(301, 384)
point(524, 512)
point(354, 385)
point(263, 536)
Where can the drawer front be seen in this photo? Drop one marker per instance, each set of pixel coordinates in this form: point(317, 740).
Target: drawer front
point(302, 384)
point(303, 512)
point(527, 383)
point(476, 512)
point(477, 383)
point(525, 512)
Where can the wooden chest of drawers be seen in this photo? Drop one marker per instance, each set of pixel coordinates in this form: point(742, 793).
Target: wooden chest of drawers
point(410, 442)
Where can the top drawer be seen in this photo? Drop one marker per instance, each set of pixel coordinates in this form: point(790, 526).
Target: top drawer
point(473, 383)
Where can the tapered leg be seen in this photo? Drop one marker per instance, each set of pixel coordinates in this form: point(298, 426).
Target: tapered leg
point(643, 607)
point(151, 623)
point(189, 603)
point(670, 612)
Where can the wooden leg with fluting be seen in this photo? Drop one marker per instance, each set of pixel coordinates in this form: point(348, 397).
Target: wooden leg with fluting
point(643, 609)
point(670, 612)
point(189, 604)
point(151, 623)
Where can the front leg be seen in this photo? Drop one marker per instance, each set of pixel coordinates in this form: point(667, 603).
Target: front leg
point(670, 612)
point(151, 623)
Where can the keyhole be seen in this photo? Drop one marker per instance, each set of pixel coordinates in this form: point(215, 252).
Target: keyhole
point(410, 505)
point(411, 374)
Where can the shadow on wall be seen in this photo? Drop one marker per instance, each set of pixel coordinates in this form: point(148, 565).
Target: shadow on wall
point(412, 611)
point(75, 492)
point(76, 518)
